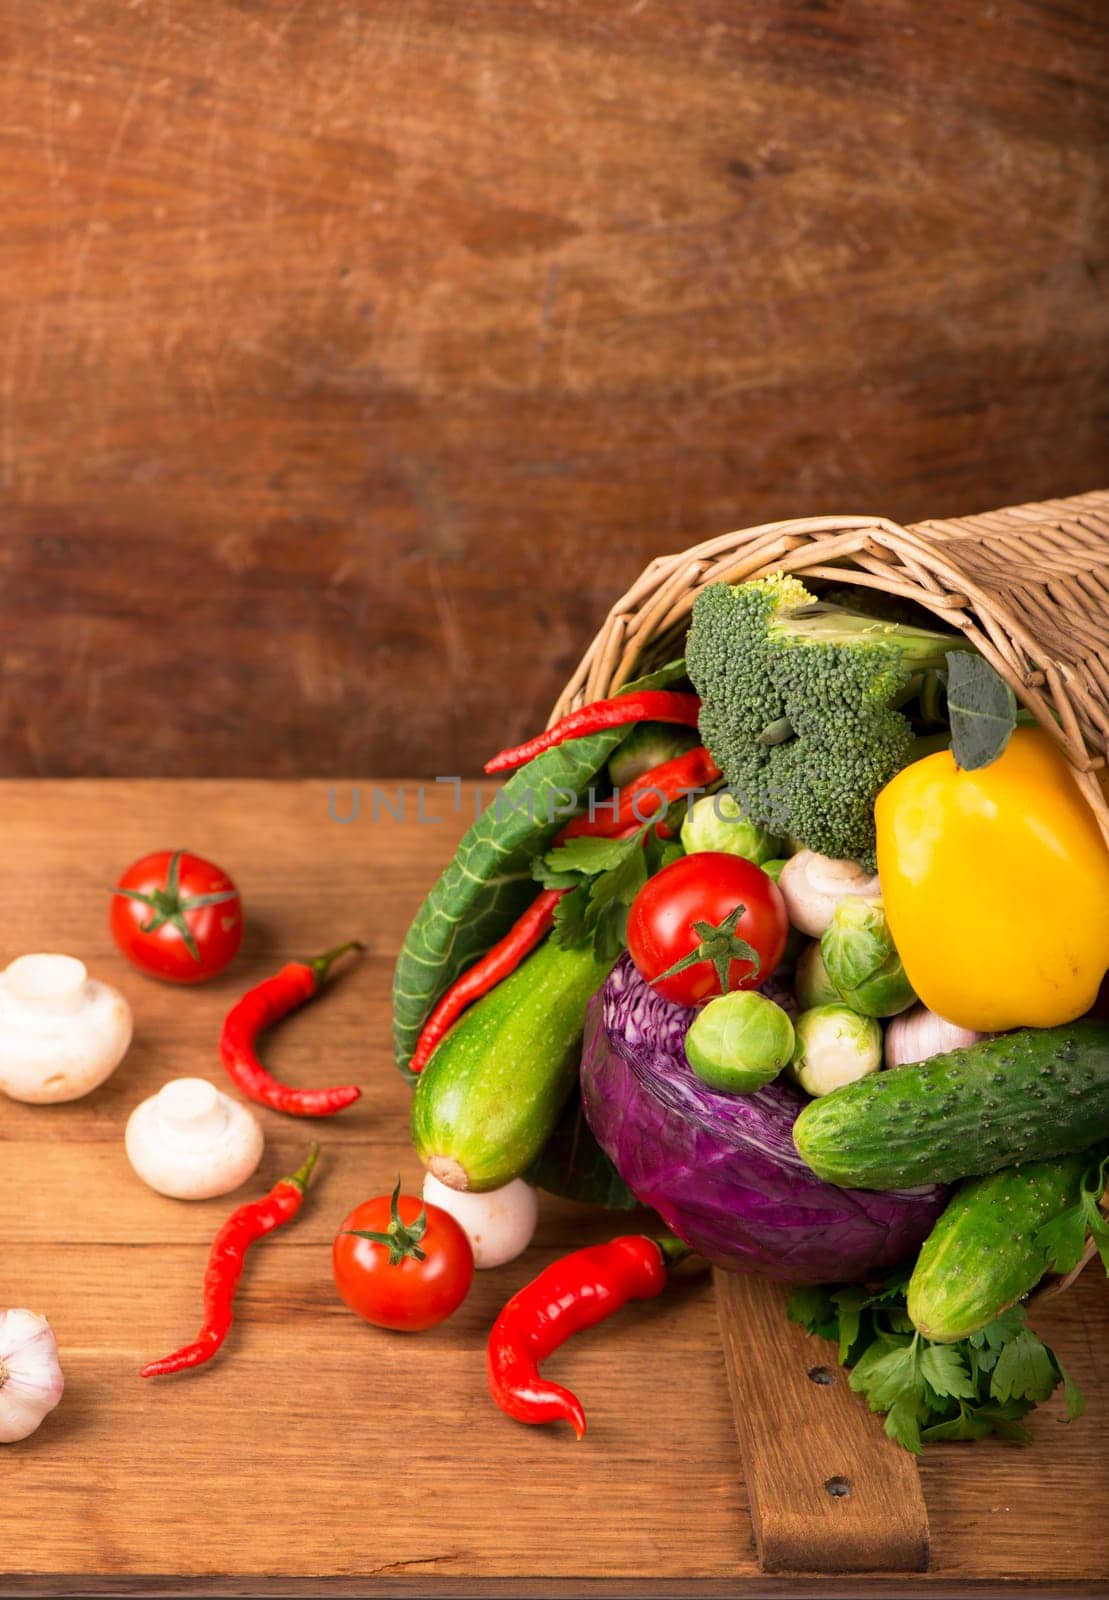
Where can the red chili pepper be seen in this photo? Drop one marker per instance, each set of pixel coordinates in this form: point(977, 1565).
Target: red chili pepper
point(225, 1266)
point(505, 956)
point(649, 705)
point(267, 1003)
point(576, 1292)
point(647, 794)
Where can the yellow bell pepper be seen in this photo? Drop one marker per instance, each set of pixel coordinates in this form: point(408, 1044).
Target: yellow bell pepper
point(996, 886)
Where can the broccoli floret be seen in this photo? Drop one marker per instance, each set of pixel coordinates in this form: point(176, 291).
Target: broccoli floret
point(799, 706)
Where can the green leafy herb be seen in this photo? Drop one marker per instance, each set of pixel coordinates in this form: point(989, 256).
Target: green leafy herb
point(930, 1392)
point(604, 877)
point(1063, 1239)
point(982, 709)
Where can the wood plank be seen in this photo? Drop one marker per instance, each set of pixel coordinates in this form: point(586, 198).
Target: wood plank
point(829, 1492)
point(318, 1454)
point(353, 345)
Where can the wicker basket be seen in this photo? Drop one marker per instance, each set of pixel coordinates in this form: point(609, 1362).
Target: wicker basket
point(1028, 585)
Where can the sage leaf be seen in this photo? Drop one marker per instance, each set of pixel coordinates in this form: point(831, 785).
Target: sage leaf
point(982, 709)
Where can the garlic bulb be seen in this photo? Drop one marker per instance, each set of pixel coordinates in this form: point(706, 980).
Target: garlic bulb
point(31, 1380)
point(918, 1035)
point(61, 1032)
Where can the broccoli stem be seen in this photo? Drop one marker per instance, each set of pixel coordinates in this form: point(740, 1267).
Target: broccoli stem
point(920, 648)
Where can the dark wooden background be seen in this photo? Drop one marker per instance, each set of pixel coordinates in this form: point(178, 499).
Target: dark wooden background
point(356, 355)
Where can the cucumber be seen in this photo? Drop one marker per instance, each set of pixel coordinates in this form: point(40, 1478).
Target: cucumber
point(981, 1256)
point(1021, 1097)
point(488, 1098)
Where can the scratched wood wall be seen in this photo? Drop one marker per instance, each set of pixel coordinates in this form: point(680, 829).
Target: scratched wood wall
point(355, 355)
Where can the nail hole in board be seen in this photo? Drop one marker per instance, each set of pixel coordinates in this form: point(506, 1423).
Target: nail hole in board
point(838, 1488)
point(820, 1375)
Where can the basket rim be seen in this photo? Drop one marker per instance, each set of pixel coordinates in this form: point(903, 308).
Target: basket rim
point(921, 562)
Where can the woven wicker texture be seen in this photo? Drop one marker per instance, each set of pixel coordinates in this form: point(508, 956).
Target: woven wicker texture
point(1028, 585)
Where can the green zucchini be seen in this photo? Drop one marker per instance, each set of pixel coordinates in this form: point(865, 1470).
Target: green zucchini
point(1023, 1096)
point(982, 1256)
point(493, 1090)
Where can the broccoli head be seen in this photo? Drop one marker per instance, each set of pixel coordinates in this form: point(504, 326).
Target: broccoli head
point(800, 706)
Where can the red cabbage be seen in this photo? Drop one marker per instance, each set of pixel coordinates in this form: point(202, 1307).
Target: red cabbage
point(721, 1170)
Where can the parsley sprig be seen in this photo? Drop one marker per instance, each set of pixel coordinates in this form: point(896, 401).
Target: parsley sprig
point(1063, 1239)
point(603, 877)
point(982, 1385)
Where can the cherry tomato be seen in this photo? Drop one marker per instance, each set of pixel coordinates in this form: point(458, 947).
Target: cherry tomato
point(402, 1264)
point(177, 916)
point(707, 887)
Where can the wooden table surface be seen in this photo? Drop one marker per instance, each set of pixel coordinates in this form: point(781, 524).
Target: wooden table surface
point(318, 1448)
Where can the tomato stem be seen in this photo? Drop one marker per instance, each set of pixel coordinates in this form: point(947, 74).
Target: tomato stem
point(402, 1240)
point(719, 944)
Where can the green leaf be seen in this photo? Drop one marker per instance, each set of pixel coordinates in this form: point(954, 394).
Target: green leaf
point(944, 1370)
point(982, 709)
point(967, 1425)
point(590, 856)
point(814, 1309)
point(1024, 1370)
point(893, 1287)
point(660, 678)
point(887, 1377)
point(903, 1422)
point(1063, 1239)
point(573, 1165)
point(1002, 1422)
point(1074, 1401)
point(609, 930)
point(554, 880)
point(570, 925)
point(849, 1303)
point(489, 881)
point(998, 1332)
point(622, 882)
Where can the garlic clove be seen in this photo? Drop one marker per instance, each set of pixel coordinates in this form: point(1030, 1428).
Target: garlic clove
point(31, 1381)
point(190, 1141)
point(62, 1033)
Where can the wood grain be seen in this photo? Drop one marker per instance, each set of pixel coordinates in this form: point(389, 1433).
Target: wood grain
point(318, 1453)
point(828, 1491)
point(354, 356)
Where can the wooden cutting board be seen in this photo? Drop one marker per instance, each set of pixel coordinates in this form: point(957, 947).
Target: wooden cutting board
point(319, 1454)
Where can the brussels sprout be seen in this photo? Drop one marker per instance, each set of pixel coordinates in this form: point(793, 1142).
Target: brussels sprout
point(833, 1046)
point(811, 983)
point(716, 822)
point(648, 745)
point(859, 954)
point(739, 1042)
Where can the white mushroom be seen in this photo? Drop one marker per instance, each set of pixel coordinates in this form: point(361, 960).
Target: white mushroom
point(813, 886)
point(499, 1223)
point(61, 1032)
point(191, 1142)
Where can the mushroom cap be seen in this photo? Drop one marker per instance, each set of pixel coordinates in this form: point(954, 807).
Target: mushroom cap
point(191, 1142)
point(62, 1033)
point(812, 886)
